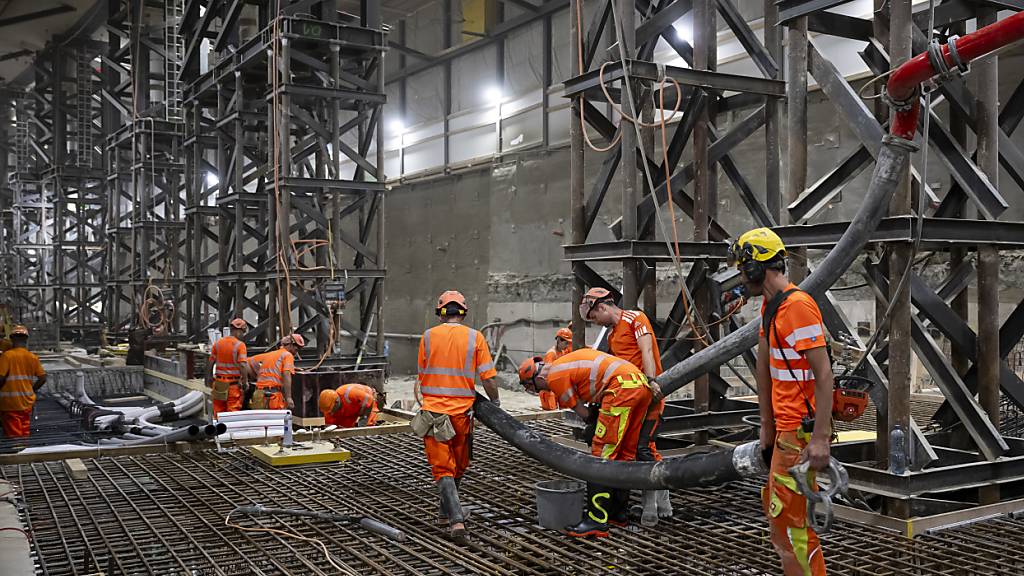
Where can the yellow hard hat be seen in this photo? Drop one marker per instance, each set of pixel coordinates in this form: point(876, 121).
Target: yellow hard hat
point(757, 245)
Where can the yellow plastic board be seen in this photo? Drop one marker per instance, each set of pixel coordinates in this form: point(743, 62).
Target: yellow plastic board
point(308, 453)
point(856, 435)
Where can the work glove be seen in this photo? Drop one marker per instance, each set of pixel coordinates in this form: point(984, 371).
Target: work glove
point(591, 423)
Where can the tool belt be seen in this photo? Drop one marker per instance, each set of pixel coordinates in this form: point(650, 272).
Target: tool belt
point(219, 389)
point(438, 426)
point(261, 397)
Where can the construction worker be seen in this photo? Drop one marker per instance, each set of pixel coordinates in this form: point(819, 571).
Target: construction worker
point(794, 380)
point(21, 375)
point(224, 371)
point(563, 345)
point(631, 337)
point(621, 389)
point(451, 356)
point(349, 406)
point(273, 373)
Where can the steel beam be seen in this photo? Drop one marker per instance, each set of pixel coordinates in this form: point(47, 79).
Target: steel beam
point(639, 70)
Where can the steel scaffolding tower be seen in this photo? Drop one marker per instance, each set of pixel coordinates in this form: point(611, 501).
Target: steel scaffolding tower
point(276, 108)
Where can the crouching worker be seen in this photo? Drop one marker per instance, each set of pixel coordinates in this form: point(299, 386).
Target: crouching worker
point(451, 356)
point(623, 394)
point(349, 406)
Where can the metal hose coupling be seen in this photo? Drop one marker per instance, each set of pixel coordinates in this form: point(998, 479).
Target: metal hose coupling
point(839, 482)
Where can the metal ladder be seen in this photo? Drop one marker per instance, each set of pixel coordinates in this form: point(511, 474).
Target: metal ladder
point(83, 100)
point(21, 133)
point(175, 48)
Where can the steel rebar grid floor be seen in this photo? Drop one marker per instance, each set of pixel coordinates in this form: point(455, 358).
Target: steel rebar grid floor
point(164, 514)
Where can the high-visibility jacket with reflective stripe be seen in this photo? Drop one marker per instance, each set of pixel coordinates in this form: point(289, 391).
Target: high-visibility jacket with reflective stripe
point(271, 367)
point(624, 339)
point(19, 370)
point(451, 356)
point(586, 374)
point(228, 355)
point(354, 398)
point(799, 325)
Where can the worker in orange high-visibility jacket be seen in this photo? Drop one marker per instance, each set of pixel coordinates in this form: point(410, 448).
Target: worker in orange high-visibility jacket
point(349, 406)
point(794, 379)
point(563, 345)
point(631, 337)
point(225, 373)
point(273, 373)
point(451, 357)
point(621, 389)
point(21, 375)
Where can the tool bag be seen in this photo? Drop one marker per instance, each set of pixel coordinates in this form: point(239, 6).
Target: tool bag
point(427, 423)
point(219, 390)
point(261, 398)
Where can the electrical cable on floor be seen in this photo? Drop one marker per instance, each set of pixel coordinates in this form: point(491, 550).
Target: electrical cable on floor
point(319, 543)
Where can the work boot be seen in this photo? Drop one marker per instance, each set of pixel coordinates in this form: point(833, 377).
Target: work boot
point(618, 516)
point(595, 520)
point(650, 513)
point(664, 504)
point(452, 507)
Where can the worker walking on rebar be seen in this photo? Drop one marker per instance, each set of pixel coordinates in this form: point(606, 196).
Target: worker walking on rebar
point(273, 373)
point(225, 373)
point(794, 381)
point(624, 395)
point(563, 345)
point(21, 375)
point(451, 356)
point(631, 337)
point(349, 406)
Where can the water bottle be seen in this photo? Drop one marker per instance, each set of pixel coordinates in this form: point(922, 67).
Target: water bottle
point(387, 348)
point(897, 450)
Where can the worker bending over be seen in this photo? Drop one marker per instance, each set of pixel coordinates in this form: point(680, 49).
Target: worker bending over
point(794, 381)
point(563, 345)
point(631, 337)
point(273, 372)
point(451, 356)
point(21, 375)
point(349, 406)
point(225, 373)
point(588, 375)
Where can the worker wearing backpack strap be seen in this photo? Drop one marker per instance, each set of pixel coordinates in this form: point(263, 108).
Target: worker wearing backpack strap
point(794, 380)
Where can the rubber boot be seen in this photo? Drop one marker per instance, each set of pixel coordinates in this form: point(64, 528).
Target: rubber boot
point(442, 514)
point(643, 446)
point(595, 519)
point(664, 504)
point(650, 513)
point(618, 516)
point(452, 507)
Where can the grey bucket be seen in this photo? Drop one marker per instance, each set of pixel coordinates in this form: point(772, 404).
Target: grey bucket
point(560, 503)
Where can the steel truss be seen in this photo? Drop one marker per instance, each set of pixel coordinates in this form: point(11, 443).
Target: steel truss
point(278, 233)
point(968, 389)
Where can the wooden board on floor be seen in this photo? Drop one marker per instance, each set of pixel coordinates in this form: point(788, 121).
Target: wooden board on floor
point(301, 453)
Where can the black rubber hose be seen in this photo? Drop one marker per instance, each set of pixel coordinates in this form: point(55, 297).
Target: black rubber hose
point(728, 464)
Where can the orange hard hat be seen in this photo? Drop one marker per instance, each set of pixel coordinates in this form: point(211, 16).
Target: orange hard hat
point(296, 339)
point(597, 293)
point(19, 330)
point(239, 323)
point(451, 297)
point(564, 334)
point(529, 368)
point(592, 298)
point(328, 400)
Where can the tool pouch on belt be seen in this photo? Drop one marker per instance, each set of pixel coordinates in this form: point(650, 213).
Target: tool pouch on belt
point(427, 423)
point(219, 390)
point(261, 398)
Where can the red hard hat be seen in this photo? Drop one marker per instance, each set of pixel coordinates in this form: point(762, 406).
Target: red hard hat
point(564, 334)
point(296, 339)
point(19, 330)
point(239, 323)
point(591, 298)
point(451, 297)
point(529, 369)
point(597, 293)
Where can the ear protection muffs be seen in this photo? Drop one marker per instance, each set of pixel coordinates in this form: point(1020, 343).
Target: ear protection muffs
point(755, 271)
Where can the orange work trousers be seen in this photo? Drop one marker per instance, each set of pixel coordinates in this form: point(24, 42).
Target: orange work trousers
point(548, 400)
point(16, 423)
point(261, 401)
point(795, 542)
point(232, 404)
point(622, 413)
point(450, 458)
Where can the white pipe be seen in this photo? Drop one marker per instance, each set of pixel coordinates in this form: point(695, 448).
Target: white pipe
point(254, 424)
point(244, 434)
point(250, 415)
